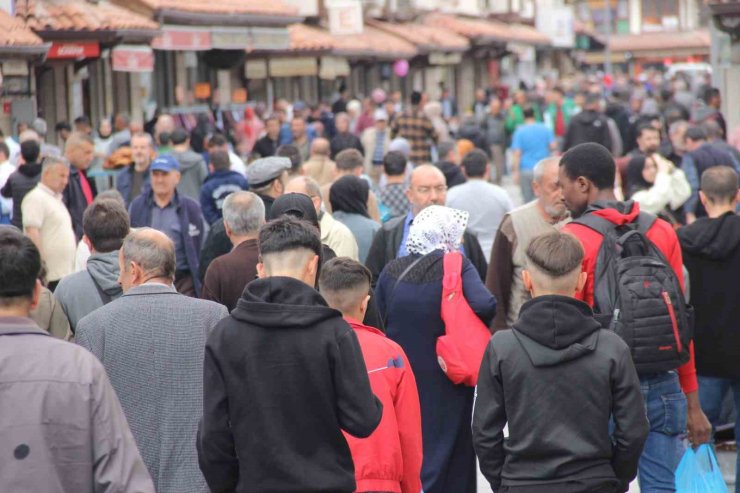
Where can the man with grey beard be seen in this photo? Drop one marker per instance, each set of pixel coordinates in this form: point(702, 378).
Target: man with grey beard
point(517, 230)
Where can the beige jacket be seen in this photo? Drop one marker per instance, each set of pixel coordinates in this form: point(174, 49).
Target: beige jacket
point(338, 237)
point(61, 425)
point(320, 168)
point(368, 143)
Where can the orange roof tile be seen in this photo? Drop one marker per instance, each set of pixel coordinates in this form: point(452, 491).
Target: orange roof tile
point(373, 42)
point(272, 7)
point(487, 30)
point(308, 38)
point(666, 41)
point(80, 15)
point(13, 33)
point(425, 37)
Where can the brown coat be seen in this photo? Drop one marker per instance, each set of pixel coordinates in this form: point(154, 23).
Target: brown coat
point(228, 274)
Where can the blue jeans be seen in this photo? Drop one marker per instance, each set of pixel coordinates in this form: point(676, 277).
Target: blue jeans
point(712, 391)
point(666, 413)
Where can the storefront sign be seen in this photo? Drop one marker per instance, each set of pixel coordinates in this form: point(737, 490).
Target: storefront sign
point(74, 50)
point(202, 90)
point(230, 39)
point(293, 67)
point(345, 17)
point(268, 38)
point(15, 67)
point(333, 67)
point(128, 58)
point(445, 58)
point(255, 69)
point(183, 39)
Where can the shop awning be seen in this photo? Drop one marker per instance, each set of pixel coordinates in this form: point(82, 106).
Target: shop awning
point(659, 44)
point(183, 38)
point(327, 68)
point(484, 31)
point(373, 43)
point(83, 20)
point(307, 39)
point(426, 38)
point(132, 58)
point(16, 40)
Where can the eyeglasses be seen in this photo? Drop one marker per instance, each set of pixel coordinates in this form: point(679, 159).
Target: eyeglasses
point(427, 190)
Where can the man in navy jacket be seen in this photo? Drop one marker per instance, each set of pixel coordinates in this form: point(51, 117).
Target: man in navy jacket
point(219, 184)
point(179, 217)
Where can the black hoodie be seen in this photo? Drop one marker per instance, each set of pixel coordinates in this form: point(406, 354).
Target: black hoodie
point(587, 126)
point(19, 183)
point(711, 253)
point(556, 378)
point(283, 375)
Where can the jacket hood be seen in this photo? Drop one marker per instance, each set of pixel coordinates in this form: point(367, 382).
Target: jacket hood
point(187, 159)
point(30, 170)
point(282, 302)
point(555, 329)
point(619, 213)
point(104, 269)
point(222, 174)
point(703, 237)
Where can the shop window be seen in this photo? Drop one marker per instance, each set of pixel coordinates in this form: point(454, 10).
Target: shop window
point(659, 14)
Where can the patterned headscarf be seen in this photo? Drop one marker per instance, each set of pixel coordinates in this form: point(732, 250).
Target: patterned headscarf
point(437, 228)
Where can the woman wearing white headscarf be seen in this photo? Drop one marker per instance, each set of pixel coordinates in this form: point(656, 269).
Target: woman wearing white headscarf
point(408, 293)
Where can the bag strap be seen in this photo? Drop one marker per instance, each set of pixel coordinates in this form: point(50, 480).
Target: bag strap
point(452, 276)
point(395, 285)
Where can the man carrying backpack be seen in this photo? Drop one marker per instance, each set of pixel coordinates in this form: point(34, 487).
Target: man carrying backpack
point(635, 285)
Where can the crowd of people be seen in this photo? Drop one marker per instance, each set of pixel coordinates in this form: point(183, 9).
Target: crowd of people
point(257, 307)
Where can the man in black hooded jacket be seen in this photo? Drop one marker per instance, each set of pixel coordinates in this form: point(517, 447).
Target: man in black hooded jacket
point(711, 253)
point(557, 378)
point(283, 376)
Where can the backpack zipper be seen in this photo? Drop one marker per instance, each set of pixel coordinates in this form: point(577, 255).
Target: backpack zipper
point(674, 323)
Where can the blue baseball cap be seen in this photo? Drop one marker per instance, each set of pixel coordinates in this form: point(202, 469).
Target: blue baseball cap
point(166, 163)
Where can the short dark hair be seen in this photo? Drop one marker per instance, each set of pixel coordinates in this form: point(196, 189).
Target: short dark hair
point(344, 282)
point(475, 163)
point(415, 98)
point(30, 150)
point(349, 159)
point(719, 184)
point(291, 152)
point(445, 147)
point(179, 136)
point(4, 149)
point(106, 223)
point(695, 133)
point(555, 254)
point(62, 126)
point(288, 233)
point(592, 161)
point(217, 140)
point(82, 120)
point(394, 163)
point(528, 112)
point(220, 160)
point(20, 266)
point(646, 127)
point(709, 93)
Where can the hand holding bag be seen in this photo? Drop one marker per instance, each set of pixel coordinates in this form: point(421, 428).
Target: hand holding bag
point(699, 472)
point(460, 350)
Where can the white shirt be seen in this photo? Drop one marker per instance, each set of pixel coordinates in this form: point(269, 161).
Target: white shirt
point(237, 164)
point(6, 169)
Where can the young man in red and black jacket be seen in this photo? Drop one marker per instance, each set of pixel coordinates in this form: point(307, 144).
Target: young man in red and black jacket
point(389, 460)
point(586, 176)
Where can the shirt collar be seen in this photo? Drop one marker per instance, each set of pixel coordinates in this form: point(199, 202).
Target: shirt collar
point(357, 325)
point(50, 191)
point(19, 325)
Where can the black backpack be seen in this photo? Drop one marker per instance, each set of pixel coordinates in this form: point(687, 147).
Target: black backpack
point(637, 295)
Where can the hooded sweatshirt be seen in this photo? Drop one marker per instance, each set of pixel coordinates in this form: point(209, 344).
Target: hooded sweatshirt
point(193, 173)
point(80, 293)
point(19, 183)
point(588, 126)
point(713, 262)
point(556, 378)
point(283, 376)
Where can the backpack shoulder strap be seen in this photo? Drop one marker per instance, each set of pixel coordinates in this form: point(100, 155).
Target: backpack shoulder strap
point(597, 223)
point(645, 221)
point(452, 277)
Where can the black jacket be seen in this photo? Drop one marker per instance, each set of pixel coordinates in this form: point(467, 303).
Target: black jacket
point(265, 146)
point(557, 378)
point(75, 200)
point(587, 126)
point(283, 376)
point(387, 241)
point(711, 253)
point(453, 173)
point(20, 182)
point(344, 141)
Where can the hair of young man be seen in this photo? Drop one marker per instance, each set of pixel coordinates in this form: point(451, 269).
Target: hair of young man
point(349, 159)
point(475, 163)
point(709, 93)
point(81, 120)
point(528, 112)
point(394, 163)
point(30, 150)
point(155, 255)
point(719, 184)
point(286, 244)
point(592, 161)
point(179, 136)
point(646, 127)
point(244, 213)
point(415, 98)
point(219, 160)
point(106, 223)
point(554, 262)
point(20, 266)
point(291, 152)
point(695, 133)
point(445, 147)
point(217, 140)
point(344, 283)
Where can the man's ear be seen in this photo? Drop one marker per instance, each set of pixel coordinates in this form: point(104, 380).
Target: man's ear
point(703, 198)
point(261, 270)
point(527, 280)
point(363, 305)
point(36, 296)
point(582, 281)
point(583, 185)
point(313, 266)
point(87, 242)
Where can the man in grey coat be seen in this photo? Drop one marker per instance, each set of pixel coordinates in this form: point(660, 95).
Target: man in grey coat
point(152, 342)
point(105, 224)
point(62, 428)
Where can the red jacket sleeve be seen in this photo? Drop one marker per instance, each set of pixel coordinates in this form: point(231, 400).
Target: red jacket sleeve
point(408, 418)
